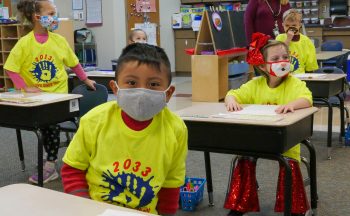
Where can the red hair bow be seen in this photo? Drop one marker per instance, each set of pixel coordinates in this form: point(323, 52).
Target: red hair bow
point(254, 56)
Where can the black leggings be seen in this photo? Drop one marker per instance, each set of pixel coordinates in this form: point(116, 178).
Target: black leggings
point(51, 141)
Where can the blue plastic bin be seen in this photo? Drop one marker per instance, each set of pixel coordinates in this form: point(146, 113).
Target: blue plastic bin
point(237, 68)
point(190, 199)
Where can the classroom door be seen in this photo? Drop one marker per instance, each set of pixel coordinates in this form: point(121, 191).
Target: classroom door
point(133, 16)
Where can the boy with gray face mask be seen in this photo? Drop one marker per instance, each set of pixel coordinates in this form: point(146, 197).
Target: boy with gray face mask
point(131, 152)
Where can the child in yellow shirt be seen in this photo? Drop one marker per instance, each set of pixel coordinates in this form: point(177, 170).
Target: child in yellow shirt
point(301, 49)
point(275, 87)
point(131, 152)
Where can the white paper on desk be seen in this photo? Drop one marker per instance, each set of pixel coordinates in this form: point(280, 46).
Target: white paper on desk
point(309, 76)
point(253, 112)
point(48, 97)
point(11, 95)
point(114, 212)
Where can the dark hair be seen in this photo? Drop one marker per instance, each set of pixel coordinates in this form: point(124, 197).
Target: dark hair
point(263, 50)
point(27, 8)
point(132, 33)
point(150, 55)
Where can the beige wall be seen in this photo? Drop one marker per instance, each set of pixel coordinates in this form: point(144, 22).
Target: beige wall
point(111, 36)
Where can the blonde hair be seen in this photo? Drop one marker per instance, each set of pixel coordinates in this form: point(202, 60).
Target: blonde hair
point(292, 15)
point(284, 2)
point(134, 31)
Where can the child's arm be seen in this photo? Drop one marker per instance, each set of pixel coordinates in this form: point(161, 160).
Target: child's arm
point(79, 71)
point(74, 181)
point(19, 82)
point(231, 103)
point(294, 105)
point(168, 201)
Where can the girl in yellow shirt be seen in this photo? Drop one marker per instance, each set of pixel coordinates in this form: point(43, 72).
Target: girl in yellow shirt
point(275, 86)
point(37, 64)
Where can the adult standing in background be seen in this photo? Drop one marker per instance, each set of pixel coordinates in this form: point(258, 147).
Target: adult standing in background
point(264, 16)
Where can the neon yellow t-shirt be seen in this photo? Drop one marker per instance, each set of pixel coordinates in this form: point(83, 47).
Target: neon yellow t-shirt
point(302, 54)
point(42, 65)
point(257, 91)
point(127, 167)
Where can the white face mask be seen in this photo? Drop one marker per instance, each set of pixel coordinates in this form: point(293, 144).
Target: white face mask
point(141, 104)
point(279, 68)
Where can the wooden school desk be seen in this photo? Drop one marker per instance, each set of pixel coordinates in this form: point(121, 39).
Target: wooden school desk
point(49, 109)
point(327, 55)
point(258, 138)
point(101, 77)
point(30, 200)
point(323, 86)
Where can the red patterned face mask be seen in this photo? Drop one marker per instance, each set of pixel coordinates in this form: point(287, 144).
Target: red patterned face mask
point(279, 68)
point(254, 56)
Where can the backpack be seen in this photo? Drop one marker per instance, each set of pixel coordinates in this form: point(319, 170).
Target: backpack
point(83, 35)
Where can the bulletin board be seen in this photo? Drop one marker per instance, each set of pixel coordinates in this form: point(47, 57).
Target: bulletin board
point(7, 3)
point(135, 16)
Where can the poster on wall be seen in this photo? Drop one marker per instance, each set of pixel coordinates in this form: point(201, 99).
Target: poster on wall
point(77, 5)
point(151, 31)
point(143, 6)
point(93, 13)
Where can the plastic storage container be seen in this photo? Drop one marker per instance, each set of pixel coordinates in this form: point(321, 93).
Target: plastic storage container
point(347, 136)
point(234, 82)
point(114, 64)
point(299, 4)
point(307, 3)
point(306, 20)
point(190, 197)
point(236, 68)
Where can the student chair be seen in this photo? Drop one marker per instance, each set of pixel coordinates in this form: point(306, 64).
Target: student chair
point(89, 100)
point(331, 45)
point(335, 100)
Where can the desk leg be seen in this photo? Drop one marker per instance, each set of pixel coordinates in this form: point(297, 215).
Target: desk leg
point(342, 117)
point(330, 126)
point(20, 149)
point(40, 136)
point(287, 186)
point(209, 179)
point(313, 176)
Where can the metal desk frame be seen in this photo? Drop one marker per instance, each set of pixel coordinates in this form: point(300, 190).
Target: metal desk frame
point(246, 139)
point(32, 118)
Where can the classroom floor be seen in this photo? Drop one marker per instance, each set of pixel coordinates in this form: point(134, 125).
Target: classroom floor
point(333, 184)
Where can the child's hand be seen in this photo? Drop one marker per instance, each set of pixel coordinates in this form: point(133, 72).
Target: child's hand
point(32, 89)
point(284, 109)
point(290, 34)
point(231, 104)
point(90, 83)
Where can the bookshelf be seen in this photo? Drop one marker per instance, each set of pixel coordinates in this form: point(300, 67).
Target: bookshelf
point(9, 35)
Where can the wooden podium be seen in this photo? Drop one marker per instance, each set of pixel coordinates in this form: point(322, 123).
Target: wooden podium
point(210, 72)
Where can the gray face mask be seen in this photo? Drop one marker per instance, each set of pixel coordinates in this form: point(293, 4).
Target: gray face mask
point(141, 104)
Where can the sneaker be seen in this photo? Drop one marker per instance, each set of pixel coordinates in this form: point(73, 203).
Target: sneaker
point(49, 173)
